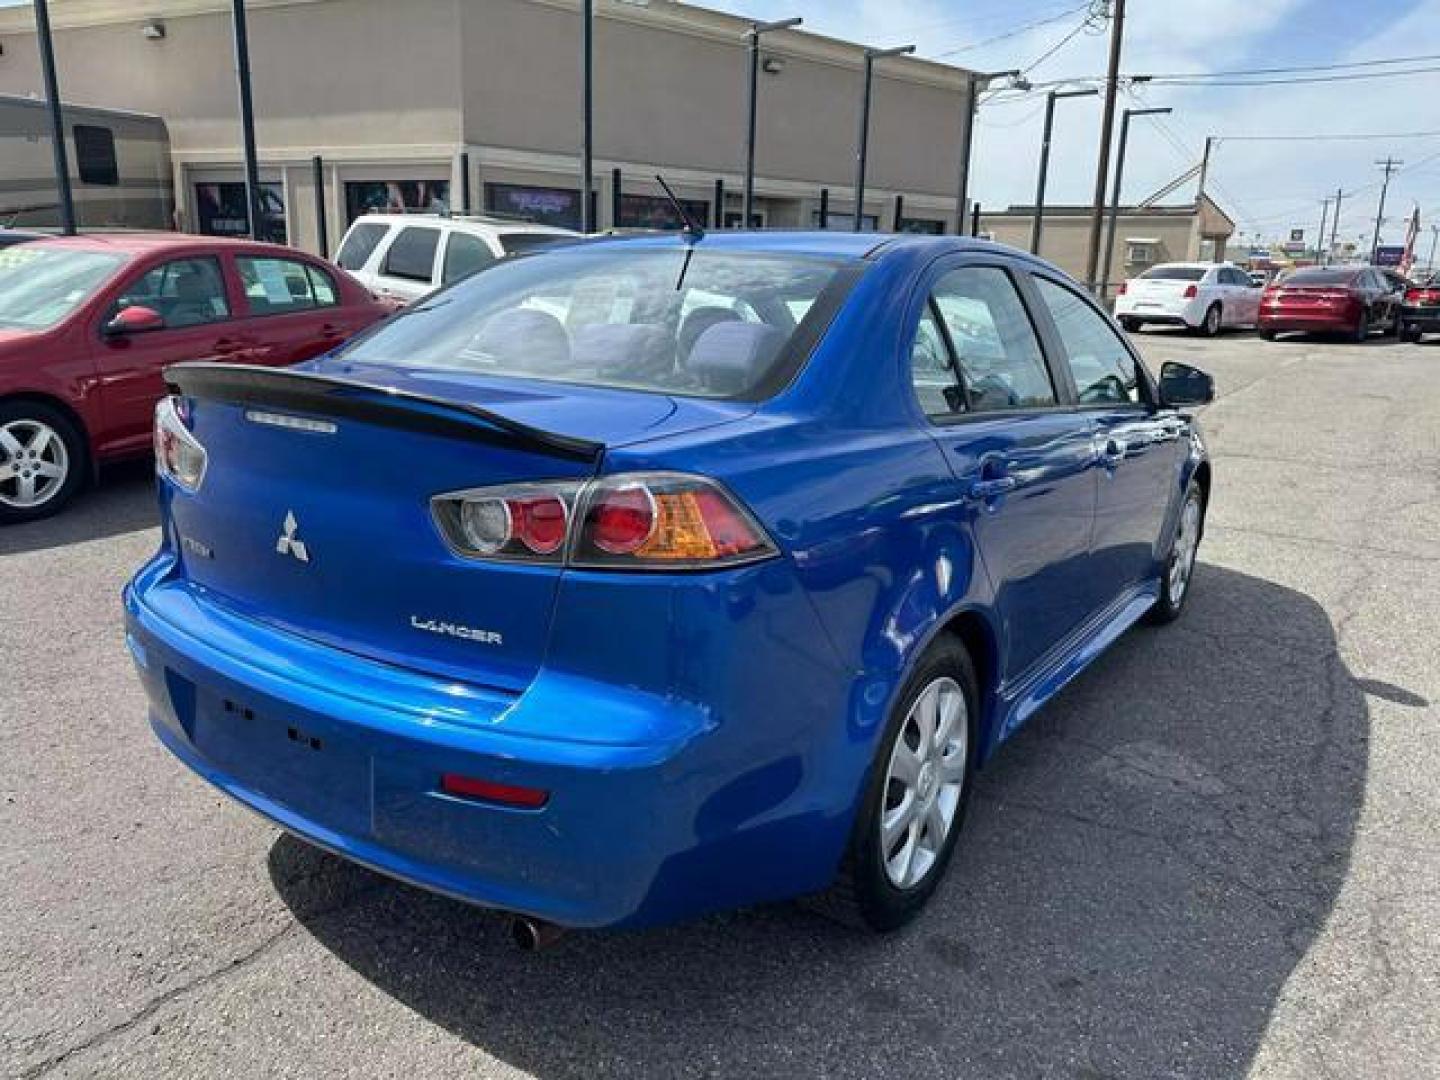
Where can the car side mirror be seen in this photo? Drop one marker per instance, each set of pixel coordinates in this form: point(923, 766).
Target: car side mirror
point(137, 319)
point(1181, 384)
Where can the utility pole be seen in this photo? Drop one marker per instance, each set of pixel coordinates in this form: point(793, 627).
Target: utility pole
point(1335, 225)
point(57, 120)
point(247, 118)
point(1115, 198)
point(1038, 225)
point(1389, 165)
point(1320, 236)
point(871, 55)
point(1107, 127)
point(587, 115)
point(753, 37)
point(1434, 236)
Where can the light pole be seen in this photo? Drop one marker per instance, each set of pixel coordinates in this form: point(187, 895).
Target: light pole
point(247, 119)
point(1320, 238)
point(587, 115)
point(57, 120)
point(871, 55)
point(1104, 273)
point(753, 36)
point(975, 81)
point(1038, 224)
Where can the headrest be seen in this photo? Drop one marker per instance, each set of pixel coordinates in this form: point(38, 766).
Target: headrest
point(623, 349)
point(525, 339)
point(191, 285)
point(731, 356)
point(698, 321)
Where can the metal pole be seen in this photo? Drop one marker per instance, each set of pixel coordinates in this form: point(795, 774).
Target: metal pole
point(587, 123)
point(57, 118)
point(899, 213)
point(862, 147)
point(322, 230)
point(465, 181)
point(967, 140)
point(975, 219)
point(615, 198)
point(719, 217)
point(753, 36)
point(1434, 236)
point(1038, 225)
point(1320, 236)
point(1389, 165)
point(1335, 225)
point(824, 208)
point(1115, 194)
point(1107, 127)
point(247, 117)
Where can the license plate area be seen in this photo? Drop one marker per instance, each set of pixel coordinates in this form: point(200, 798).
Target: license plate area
point(300, 762)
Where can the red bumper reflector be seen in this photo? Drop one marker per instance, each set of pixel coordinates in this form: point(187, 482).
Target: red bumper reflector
point(470, 787)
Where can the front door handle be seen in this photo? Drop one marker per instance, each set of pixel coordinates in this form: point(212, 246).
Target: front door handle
point(1112, 452)
point(991, 489)
point(228, 347)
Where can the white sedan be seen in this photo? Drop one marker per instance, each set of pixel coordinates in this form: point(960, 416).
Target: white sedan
point(1201, 296)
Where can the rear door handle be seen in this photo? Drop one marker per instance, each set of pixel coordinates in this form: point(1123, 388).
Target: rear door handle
point(228, 347)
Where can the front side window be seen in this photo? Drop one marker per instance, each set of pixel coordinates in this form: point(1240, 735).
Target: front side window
point(359, 244)
point(996, 351)
point(412, 254)
point(280, 286)
point(185, 292)
point(702, 323)
point(464, 255)
point(1105, 371)
point(39, 285)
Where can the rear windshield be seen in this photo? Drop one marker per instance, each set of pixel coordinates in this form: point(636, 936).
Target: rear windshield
point(1319, 276)
point(699, 323)
point(1174, 273)
point(40, 285)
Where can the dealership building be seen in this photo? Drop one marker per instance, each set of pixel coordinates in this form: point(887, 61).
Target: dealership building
point(427, 103)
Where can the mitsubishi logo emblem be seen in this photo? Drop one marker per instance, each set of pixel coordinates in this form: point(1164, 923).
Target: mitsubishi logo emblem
point(289, 543)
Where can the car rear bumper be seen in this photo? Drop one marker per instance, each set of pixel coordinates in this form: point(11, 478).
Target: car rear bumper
point(1426, 319)
point(1319, 322)
point(1176, 313)
point(657, 810)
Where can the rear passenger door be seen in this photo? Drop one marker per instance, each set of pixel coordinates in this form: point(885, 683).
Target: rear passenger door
point(292, 309)
point(1021, 455)
point(410, 264)
point(1138, 446)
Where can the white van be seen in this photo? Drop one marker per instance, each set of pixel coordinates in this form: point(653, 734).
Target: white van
point(406, 256)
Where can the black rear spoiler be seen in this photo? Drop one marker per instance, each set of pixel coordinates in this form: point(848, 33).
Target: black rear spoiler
point(326, 395)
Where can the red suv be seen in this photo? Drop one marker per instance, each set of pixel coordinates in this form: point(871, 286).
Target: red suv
point(88, 323)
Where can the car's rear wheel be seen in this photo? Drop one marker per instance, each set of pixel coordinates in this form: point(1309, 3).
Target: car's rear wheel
point(1210, 325)
point(1180, 562)
point(1267, 335)
point(42, 461)
point(1362, 327)
point(1411, 333)
point(914, 803)
point(1131, 325)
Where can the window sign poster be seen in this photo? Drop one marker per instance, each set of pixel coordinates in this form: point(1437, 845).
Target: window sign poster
point(220, 211)
point(396, 197)
point(542, 205)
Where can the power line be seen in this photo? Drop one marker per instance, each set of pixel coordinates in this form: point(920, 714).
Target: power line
point(1299, 68)
point(1328, 138)
point(1016, 31)
point(1352, 77)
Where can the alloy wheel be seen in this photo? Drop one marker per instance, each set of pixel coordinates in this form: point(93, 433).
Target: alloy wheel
point(1182, 555)
point(923, 783)
point(33, 463)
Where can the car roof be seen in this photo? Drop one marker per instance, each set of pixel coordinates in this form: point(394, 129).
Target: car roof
point(475, 223)
point(835, 244)
point(146, 243)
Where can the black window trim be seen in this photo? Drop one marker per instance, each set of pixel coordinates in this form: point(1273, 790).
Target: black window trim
point(944, 264)
point(1055, 345)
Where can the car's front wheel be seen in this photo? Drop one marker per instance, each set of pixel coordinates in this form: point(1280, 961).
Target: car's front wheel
point(1179, 565)
point(1411, 333)
point(42, 461)
point(1131, 324)
point(914, 803)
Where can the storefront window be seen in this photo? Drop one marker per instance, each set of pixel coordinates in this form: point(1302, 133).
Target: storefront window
point(927, 226)
point(220, 211)
point(655, 212)
point(542, 205)
point(844, 221)
point(395, 196)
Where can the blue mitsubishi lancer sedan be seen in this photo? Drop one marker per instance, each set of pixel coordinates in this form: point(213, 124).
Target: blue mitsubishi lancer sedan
point(642, 577)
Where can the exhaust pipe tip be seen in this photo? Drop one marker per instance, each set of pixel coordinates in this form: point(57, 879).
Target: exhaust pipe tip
point(534, 935)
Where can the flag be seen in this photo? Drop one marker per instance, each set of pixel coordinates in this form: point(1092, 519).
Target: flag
point(1411, 233)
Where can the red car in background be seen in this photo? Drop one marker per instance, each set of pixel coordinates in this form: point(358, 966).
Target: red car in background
point(1350, 300)
point(88, 323)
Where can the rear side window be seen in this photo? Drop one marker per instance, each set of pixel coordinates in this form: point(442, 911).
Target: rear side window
point(465, 255)
point(1105, 372)
point(359, 245)
point(986, 340)
point(95, 155)
point(280, 286)
point(412, 254)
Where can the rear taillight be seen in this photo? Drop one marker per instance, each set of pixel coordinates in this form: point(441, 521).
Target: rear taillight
point(1122, 289)
point(179, 457)
point(1191, 291)
point(1422, 296)
point(636, 521)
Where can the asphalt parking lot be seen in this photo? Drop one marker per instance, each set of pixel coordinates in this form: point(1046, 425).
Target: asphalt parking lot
point(1215, 856)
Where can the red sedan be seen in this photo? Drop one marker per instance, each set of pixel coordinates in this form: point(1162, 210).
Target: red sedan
point(1350, 300)
point(88, 323)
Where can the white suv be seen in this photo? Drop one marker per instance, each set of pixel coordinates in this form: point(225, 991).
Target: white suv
point(1200, 296)
point(403, 257)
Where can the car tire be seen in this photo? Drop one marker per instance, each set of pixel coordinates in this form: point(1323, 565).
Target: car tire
point(43, 461)
point(1397, 326)
point(1267, 335)
point(1179, 567)
point(879, 887)
point(1130, 325)
point(1210, 325)
point(1411, 333)
point(1361, 333)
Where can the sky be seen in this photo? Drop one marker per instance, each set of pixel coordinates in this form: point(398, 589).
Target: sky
point(1269, 187)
